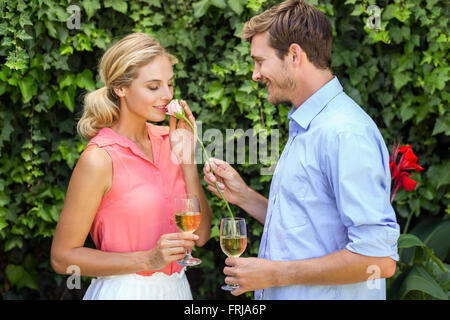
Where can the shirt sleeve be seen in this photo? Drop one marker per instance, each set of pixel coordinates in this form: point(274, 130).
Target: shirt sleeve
point(358, 172)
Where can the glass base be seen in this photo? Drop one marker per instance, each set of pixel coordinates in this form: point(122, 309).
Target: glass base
point(189, 262)
point(229, 288)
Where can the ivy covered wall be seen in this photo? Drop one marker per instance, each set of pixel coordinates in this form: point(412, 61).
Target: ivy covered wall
point(390, 56)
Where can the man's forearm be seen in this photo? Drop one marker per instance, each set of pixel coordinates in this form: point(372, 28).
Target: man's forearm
point(254, 204)
point(342, 267)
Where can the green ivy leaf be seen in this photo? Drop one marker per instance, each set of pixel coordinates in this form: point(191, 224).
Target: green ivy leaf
point(218, 3)
point(225, 103)
point(67, 96)
point(23, 35)
point(118, 5)
point(200, 8)
point(215, 92)
point(90, 6)
point(442, 125)
point(358, 10)
point(67, 80)
point(28, 88)
point(439, 174)
point(401, 79)
point(19, 277)
point(3, 223)
point(236, 6)
point(15, 242)
point(68, 152)
point(85, 80)
point(407, 112)
point(14, 273)
point(17, 60)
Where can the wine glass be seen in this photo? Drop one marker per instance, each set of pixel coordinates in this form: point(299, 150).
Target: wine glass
point(187, 219)
point(233, 241)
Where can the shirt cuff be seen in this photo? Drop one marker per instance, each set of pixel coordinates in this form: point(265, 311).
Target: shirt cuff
point(374, 240)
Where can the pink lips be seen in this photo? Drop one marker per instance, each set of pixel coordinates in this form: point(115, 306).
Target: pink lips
point(161, 108)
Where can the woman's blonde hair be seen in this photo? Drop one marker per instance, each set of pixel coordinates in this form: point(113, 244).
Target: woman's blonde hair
point(118, 67)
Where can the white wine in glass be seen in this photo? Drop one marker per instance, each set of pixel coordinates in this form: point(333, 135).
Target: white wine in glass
point(233, 241)
point(187, 219)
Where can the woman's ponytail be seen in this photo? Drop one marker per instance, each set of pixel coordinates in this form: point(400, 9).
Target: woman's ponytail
point(101, 110)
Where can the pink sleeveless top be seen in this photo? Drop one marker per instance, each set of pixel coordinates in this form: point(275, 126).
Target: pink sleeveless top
point(139, 207)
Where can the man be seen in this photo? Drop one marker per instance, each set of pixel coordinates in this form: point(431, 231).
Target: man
point(329, 227)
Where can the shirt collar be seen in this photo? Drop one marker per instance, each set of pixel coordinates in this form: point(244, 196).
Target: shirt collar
point(157, 131)
point(307, 111)
point(108, 136)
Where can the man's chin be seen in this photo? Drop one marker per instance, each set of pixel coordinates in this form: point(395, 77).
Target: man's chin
point(276, 100)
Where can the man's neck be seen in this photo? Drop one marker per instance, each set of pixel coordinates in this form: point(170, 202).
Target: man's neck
point(309, 86)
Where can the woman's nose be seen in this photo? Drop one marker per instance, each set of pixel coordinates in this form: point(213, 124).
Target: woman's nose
point(168, 93)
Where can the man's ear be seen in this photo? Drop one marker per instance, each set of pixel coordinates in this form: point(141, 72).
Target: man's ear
point(295, 54)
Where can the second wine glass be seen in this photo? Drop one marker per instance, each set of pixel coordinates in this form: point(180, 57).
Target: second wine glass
point(233, 241)
point(187, 219)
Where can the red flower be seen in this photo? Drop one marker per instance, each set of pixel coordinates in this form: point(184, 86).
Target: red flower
point(404, 148)
point(408, 161)
point(407, 183)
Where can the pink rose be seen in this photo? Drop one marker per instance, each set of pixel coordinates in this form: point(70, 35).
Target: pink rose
point(174, 108)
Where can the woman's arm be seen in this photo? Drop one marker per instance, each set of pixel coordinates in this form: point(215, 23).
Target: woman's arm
point(194, 186)
point(90, 181)
point(182, 141)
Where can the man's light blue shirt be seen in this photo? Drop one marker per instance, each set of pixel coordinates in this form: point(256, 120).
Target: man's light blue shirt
point(330, 191)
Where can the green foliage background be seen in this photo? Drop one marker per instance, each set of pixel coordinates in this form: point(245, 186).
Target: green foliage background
point(399, 74)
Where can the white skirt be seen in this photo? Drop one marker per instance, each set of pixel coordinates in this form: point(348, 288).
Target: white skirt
point(158, 286)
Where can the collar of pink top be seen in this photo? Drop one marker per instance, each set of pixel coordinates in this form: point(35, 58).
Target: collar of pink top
point(108, 136)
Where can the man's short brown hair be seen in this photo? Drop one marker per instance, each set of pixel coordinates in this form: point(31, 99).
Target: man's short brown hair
point(295, 21)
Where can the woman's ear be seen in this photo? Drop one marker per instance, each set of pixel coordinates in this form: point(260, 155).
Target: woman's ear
point(120, 92)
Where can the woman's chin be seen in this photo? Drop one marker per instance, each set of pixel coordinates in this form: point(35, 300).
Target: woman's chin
point(155, 119)
point(157, 116)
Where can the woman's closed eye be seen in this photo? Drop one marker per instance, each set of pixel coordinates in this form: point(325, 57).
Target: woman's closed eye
point(154, 88)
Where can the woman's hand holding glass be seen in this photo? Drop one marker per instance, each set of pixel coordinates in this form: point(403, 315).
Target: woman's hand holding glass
point(187, 219)
point(169, 248)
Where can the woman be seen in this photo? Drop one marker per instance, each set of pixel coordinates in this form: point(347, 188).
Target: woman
point(123, 187)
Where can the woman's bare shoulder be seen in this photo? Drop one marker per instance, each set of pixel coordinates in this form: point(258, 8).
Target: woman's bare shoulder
point(94, 159)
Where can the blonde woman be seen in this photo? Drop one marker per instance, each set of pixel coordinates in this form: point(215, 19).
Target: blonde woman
point(123, 187)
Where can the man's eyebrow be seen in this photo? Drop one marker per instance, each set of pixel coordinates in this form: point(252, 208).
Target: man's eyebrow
point(256, 57)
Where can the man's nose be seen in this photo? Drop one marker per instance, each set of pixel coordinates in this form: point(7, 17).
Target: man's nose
point(256, 75)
